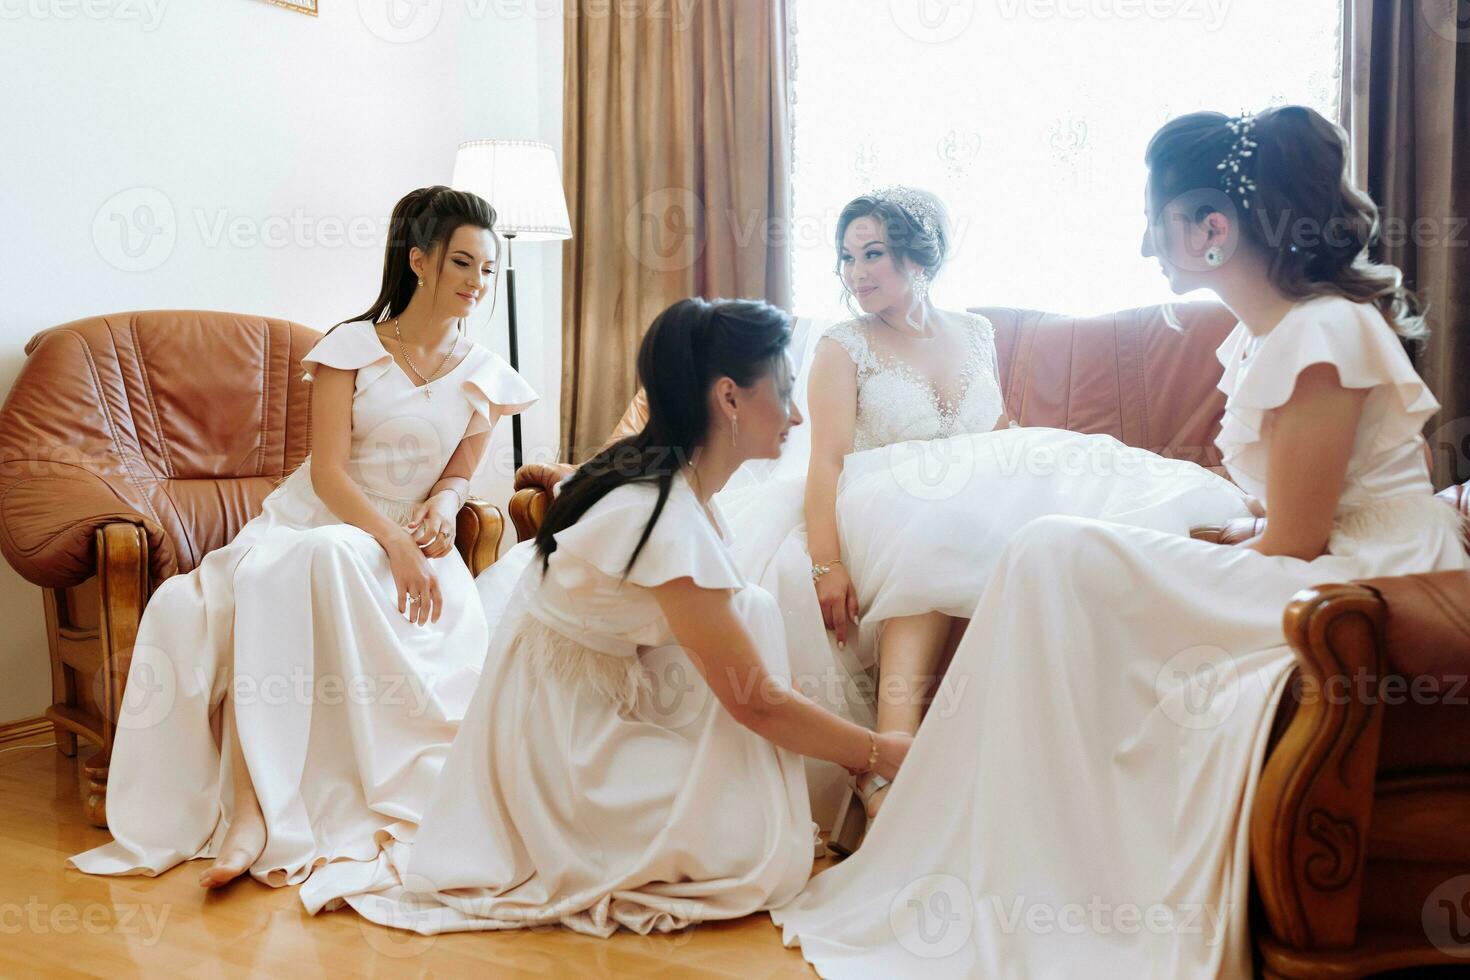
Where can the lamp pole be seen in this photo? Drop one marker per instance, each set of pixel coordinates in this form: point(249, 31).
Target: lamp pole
point(515, 353)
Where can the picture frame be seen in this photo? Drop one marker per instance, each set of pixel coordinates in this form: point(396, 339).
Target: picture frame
point(300, 6)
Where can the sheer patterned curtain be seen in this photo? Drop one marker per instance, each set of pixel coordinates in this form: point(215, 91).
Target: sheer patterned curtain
point(1029, 118)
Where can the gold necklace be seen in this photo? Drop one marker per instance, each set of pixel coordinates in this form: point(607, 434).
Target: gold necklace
point(428, 386)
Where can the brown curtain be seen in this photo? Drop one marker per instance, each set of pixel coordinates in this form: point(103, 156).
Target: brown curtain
point(1406, 104)
point(678, 163)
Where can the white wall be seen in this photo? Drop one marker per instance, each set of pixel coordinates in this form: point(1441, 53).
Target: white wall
point(260, 139)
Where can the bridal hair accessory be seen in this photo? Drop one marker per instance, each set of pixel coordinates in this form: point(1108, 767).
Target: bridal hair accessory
point(1234, 179)
point(920, 206)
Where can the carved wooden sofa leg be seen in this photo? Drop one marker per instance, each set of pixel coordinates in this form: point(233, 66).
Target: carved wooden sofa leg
point(1309, 824)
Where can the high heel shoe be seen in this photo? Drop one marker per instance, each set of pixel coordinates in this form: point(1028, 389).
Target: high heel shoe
point(851, 826)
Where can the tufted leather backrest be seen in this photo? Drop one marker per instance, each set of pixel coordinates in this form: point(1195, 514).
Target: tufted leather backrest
point(179, 421)
point(1127, 374)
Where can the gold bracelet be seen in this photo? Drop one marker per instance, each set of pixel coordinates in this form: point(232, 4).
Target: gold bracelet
point(819, 569)
point(872, 757)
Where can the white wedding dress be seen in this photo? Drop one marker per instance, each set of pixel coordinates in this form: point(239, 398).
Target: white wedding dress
point(345, 709)
point(1078, 807)
point(597, 782)
point(926, 502)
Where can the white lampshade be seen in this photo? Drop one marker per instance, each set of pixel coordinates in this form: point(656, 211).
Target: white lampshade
point(522, 182)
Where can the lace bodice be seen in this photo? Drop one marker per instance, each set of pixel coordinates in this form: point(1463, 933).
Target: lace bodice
point(895, 403)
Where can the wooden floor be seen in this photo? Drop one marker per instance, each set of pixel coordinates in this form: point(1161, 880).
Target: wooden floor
point(56, 921)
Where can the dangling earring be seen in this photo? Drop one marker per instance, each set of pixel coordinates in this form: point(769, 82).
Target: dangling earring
point(921, 285)
point(421, 281)
point(735, 431)
point(1214, 256)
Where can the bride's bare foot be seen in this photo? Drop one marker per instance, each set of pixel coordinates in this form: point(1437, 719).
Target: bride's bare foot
point(243, 843)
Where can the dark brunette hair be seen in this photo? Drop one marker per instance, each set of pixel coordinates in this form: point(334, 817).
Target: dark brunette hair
point(687, 348)
point(905, 236)
point(425, 219)
point(1306, 217)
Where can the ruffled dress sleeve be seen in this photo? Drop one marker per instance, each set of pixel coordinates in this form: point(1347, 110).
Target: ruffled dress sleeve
point(351, 347)
point(494, 389)
point(1260, 374)
point(683, 543)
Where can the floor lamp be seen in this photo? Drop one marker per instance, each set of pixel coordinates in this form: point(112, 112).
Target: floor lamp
point(522, 182)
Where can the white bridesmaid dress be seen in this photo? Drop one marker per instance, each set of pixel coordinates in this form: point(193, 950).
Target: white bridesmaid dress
point(345, 709)
point(597, 782)
point(1081, 807)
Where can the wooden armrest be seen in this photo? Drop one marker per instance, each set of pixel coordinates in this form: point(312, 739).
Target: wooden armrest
point(1231, 532)
point(478, 530)
point(1309, 822)
point(527, 510)
point(542, 476)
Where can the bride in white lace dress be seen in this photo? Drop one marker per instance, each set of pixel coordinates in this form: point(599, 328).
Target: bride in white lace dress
point(914, 481)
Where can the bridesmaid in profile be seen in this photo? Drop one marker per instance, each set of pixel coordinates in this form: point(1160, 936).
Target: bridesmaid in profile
point(1083, 812)
point(334, 642)
point(633, 753)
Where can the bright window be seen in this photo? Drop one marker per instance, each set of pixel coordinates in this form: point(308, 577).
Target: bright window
point(1029, 118)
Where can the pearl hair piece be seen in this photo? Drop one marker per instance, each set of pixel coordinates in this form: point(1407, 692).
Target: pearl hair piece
point(1234, 179)
point(920, 206)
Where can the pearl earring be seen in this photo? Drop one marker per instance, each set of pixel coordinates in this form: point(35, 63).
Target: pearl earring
point(1214, 256)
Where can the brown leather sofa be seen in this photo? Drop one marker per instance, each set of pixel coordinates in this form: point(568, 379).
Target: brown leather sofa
point(131, 446)
point(1363, 805)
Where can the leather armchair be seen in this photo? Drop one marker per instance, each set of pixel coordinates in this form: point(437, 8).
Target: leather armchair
point(131, 446)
